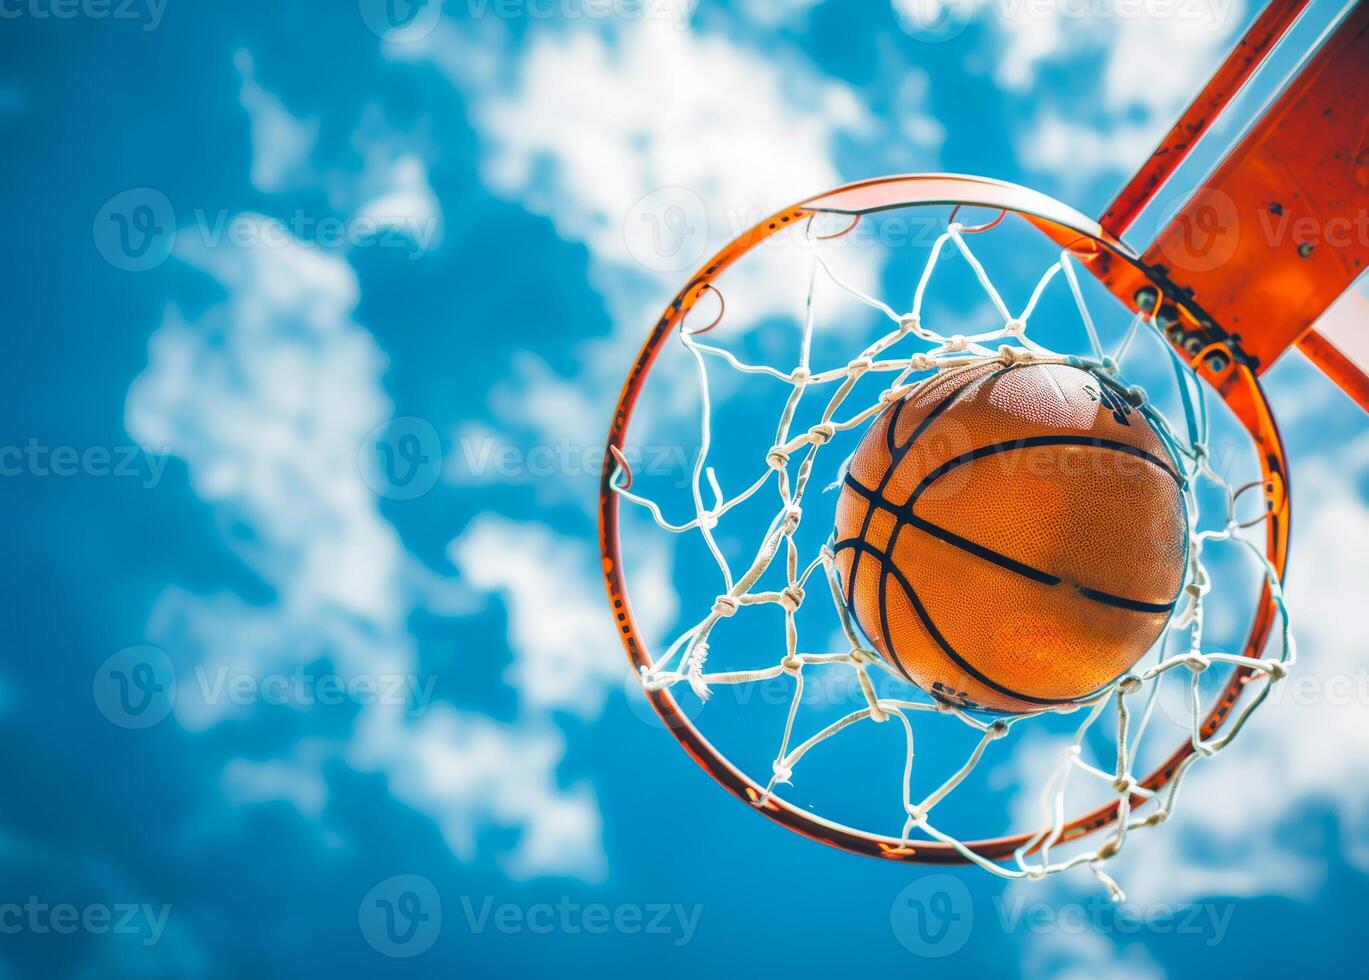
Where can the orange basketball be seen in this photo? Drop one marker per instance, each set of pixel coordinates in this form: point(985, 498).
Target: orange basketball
point(1012, 538)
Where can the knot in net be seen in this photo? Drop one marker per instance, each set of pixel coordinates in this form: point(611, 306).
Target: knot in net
point(906, 353)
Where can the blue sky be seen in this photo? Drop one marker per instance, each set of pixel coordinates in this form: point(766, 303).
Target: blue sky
point(263, 257)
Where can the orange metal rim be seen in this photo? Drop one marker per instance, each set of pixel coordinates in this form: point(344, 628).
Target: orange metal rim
point(1236, 384)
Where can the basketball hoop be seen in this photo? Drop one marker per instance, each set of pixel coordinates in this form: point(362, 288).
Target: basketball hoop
point(909, 353)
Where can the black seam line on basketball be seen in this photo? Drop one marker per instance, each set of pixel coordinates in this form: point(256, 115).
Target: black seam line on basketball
point(890, 423)
point(886, 563)
point(930, 626)
point(1033, 442)
point(894, 416)
point(1003, 561)
point(906, 516)
point(884, 567)
point(872, 498)
point(895, 454)
point(1121, 602)
point(860, 546)
point(978, 550)
point(932, 416)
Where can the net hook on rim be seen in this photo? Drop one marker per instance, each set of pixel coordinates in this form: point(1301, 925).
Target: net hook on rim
point(855, 220)
point(618, 456)
point(976, 229)
point(1270, 487)
point(1083, 248)
point(722, 308)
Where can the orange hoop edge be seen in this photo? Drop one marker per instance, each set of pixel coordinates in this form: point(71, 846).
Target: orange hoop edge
point(1237, 385)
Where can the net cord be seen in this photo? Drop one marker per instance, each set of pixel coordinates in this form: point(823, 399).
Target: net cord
point(948, 354)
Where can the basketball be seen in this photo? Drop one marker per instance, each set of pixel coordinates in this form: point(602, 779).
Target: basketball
point(1012, 538)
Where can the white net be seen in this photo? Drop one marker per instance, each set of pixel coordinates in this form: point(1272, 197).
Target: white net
point(909, 353)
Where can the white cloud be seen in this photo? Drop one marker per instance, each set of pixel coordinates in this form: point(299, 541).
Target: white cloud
point(568, 654)
point(1026, 43)
point(1082, 954)
point(653, 106)
point(267, 397)
point(392, 190)
point(404, 200)
point(537, 397)
point(1104, 120)
point(470, 772)
point(1077, 151)
point(281, 143)
point(778, 13)
point(247, 781)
